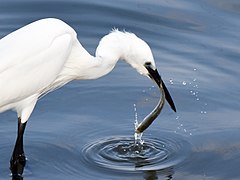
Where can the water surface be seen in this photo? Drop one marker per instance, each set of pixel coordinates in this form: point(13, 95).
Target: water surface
point(196, 46)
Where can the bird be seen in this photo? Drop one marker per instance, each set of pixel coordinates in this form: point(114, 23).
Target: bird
point(46, 54)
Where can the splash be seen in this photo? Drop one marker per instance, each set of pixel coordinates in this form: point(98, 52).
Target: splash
point(121, 154)
point(137, 136)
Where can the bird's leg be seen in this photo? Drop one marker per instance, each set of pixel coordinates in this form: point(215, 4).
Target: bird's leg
point(18, 159)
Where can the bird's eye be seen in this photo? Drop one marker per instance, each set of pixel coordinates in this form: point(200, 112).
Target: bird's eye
point(147, 63)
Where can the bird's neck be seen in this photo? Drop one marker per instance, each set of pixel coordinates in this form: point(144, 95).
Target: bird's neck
point(82, 65)
point(111, 48)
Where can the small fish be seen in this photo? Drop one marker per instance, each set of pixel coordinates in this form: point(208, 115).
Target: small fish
point(147, 121)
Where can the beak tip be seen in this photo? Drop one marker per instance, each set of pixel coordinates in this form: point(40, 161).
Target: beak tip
point(154, 75)
point(172, 105)
point(174, 109)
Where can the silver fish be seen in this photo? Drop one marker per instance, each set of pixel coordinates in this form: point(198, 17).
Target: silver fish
point(147, 121)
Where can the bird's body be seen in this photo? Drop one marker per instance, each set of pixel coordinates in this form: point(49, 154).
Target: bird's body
point(46, 54)
point(34, 60)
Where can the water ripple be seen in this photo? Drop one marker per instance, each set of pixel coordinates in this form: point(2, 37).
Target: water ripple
point(120, 153)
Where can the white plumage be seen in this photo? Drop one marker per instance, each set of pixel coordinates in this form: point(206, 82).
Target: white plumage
point(46, 54)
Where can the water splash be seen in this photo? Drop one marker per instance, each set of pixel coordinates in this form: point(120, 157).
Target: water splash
point(137, 136)
point(181, 128)
point(131, 154)
point(120, 153)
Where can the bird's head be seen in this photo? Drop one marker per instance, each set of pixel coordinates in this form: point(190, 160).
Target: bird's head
point(136, 52)
point(140, 57)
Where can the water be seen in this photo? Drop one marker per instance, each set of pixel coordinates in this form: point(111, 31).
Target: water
point(85, 129)
point(137, 136)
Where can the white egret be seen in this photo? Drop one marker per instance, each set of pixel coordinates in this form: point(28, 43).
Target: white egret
point(46, 54)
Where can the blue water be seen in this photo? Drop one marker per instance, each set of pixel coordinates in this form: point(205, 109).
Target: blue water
point(196, 45)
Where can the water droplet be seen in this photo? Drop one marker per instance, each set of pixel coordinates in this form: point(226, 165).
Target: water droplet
point(171, 81)
point(190, 134)
point(184, 83)
point(138, 138)
point(177, 117)
point(184, 130)
point(135, 115)
point(195, 69)
point(197, 99)
point(194, 79)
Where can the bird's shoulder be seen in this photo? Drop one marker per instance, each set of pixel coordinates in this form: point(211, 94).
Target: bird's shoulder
point(31, 40)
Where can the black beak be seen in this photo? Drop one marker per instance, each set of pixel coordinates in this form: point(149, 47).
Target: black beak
point(154, 75)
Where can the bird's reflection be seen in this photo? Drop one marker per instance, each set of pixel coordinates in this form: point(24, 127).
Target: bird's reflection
point(17, 177)
point(17, 171)
point(153, 174)
point(147, 174)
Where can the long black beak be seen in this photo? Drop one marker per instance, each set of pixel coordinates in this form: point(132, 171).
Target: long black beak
point(154, 75)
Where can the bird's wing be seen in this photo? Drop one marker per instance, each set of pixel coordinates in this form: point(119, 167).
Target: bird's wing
point(30, 40)
point(31, 58)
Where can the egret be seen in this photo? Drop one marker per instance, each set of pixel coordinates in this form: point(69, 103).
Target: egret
point(46, 54)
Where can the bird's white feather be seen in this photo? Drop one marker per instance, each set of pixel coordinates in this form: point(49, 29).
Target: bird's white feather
point(31, 58)
point(46, 54)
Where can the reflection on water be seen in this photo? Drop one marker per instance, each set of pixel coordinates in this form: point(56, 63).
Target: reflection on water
point(196, 48)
